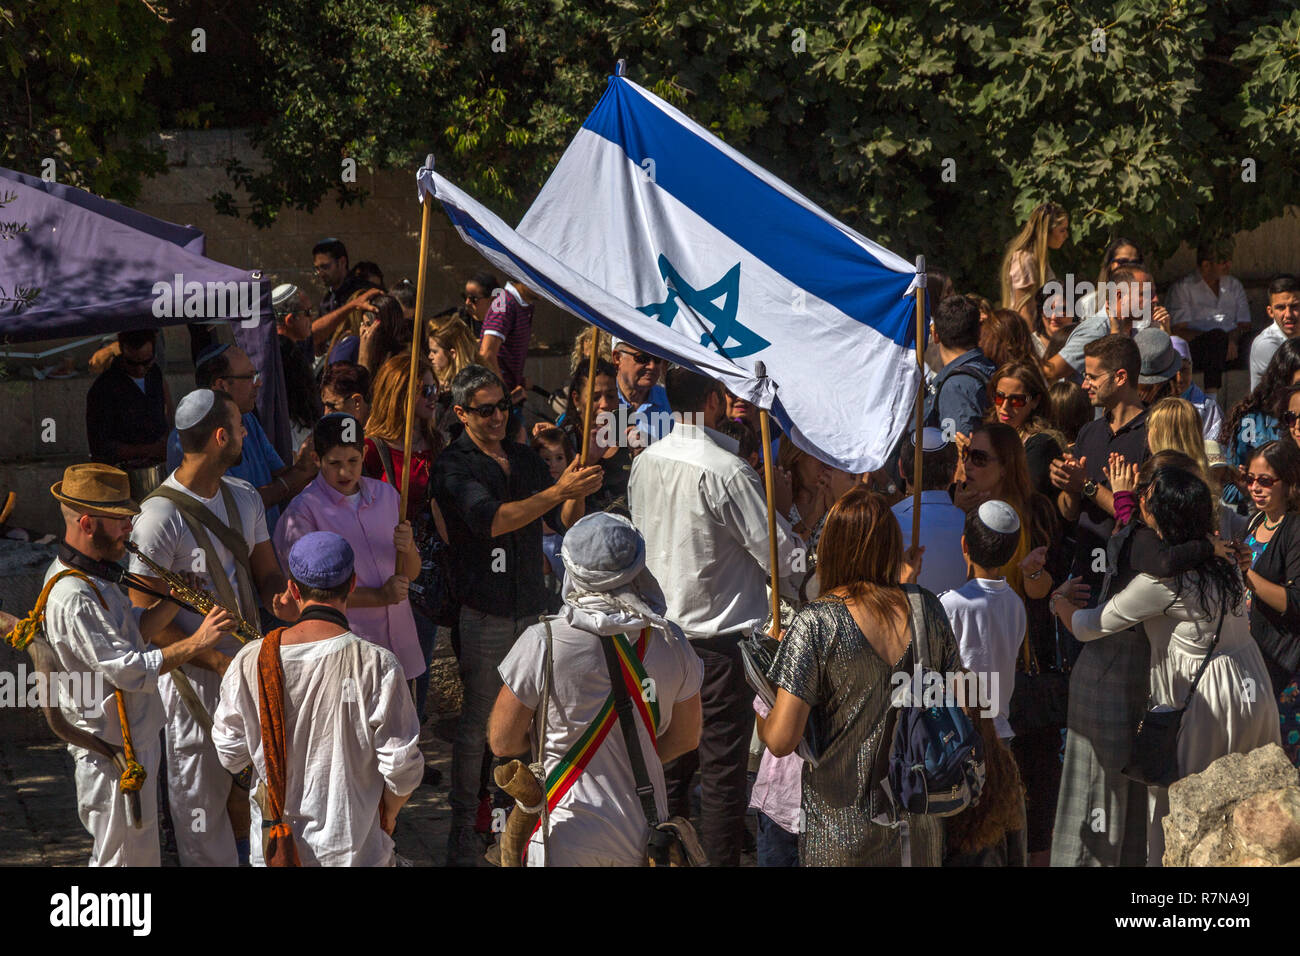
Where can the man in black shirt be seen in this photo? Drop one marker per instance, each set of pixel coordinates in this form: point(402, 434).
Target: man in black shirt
point(128, 408)
point(493, 494)
point(1111, 368)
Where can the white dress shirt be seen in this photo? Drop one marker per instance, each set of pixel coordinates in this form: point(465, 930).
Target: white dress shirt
point(703, 514)
point(1261, 351)
point(1194, 304)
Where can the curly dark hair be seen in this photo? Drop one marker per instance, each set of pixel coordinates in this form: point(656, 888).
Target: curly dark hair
point(1183, 509)
point(1267, 395)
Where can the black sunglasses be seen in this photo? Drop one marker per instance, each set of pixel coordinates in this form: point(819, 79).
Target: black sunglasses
point(486, 411)
point(641, 358)
point(428, 391)
point(1290, 418)
point(977, 457)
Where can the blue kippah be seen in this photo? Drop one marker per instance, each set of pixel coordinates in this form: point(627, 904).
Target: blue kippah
point(321, 559)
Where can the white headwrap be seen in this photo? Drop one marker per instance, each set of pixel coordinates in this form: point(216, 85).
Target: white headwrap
point(607, 589)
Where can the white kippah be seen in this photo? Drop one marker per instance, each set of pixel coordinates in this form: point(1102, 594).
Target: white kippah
point(193, 407)
point(932, 439)
point(283, 294)
point(1000, 517)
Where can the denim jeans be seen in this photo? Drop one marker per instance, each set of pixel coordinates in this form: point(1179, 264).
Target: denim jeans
point(485, 639)
point(776, 845)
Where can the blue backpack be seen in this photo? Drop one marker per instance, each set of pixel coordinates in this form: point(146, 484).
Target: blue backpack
point(936, 755)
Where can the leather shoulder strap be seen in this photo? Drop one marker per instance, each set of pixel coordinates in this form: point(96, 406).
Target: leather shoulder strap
point(191, 508)
point(626, 720)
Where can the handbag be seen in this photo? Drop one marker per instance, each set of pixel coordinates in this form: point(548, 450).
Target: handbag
point(1040, 700)
point(671, 843)
point(1154, 758)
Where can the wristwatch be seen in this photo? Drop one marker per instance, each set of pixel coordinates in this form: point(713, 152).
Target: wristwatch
point(1089, 488)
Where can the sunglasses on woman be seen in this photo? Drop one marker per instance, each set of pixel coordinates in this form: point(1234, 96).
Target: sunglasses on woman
point(977, 457)
point(1264, 481)
point(487, 411)
point(428, 391)
point(1016, 401)
point(1290, 419)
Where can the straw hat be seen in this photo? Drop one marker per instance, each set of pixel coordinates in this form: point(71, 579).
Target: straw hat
point(96, 489)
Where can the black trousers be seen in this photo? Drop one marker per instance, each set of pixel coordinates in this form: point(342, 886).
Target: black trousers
point(723, 754)
point(1210, 356)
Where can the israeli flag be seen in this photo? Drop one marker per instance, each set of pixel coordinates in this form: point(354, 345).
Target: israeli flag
point(655, 230)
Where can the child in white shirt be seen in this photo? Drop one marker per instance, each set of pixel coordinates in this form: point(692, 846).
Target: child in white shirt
point(988, 617)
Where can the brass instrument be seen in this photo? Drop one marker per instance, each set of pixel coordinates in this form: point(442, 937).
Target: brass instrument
point(201, 601)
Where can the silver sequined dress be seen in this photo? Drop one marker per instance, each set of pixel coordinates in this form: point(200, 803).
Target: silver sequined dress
point(826, 661)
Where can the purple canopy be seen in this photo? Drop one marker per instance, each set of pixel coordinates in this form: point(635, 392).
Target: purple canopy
point(98, 265)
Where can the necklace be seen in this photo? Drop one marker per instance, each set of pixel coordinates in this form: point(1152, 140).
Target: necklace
point(1270, 527)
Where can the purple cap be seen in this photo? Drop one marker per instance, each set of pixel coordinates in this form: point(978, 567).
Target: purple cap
point(321, 559)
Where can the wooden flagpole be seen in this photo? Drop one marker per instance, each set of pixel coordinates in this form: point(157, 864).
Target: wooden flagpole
point(413, 385)
point(769, 478)
point(590, 396)
point(920, 401)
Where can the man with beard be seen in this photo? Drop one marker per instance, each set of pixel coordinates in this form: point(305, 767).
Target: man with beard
point(202, 520)
point(93, 630)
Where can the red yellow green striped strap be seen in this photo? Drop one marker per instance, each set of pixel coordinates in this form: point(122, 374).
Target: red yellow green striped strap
point(571, 766)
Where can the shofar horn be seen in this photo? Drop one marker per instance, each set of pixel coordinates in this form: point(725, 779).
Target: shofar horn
point(44, 661)
point(517, 780)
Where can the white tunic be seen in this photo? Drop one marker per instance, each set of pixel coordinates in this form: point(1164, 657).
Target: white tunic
point(351, 732)
point(197, 786)
point(89, 640)
point(1233, 709)
point(599, 822)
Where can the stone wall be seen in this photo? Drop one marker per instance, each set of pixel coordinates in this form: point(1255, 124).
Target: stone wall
point(385, 230)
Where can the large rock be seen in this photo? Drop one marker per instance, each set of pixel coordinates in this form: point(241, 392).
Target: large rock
point(1242, 810)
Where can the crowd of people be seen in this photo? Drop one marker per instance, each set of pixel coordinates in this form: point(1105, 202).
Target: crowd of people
point(1097, 537)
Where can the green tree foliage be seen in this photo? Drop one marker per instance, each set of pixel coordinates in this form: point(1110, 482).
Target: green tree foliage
point(1135, 114)
point(74, 91)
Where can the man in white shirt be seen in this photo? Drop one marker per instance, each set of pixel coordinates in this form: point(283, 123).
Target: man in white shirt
point(595, 815)
point(942, 522)
point(211, 434)
point(100, 639)
point(988, 618)
point(703, 513)
point(1210, 311)
point(348, 743)
point(1284, 315)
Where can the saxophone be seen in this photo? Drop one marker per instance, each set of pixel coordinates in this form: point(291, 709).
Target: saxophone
point(201, 601)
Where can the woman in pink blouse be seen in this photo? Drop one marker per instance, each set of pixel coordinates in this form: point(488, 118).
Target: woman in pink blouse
point(364, 511)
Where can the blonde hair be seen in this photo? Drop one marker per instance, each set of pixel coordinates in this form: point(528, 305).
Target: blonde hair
point(387, 421)
point(1173, 424)
point(1032, 239)
point(582, 344)
point(455, 336)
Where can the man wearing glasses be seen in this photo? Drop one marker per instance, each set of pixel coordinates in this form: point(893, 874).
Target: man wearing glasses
point(640, 392)
point(128, 407)
point(228, 369)
point(493, 494)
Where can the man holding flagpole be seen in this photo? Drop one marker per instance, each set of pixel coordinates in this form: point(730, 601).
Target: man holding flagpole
point(704, 517)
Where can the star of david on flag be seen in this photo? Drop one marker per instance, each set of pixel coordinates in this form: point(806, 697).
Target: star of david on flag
point(654, 230)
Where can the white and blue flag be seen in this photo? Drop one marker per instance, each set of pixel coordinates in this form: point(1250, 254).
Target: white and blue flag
point(655, 230)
